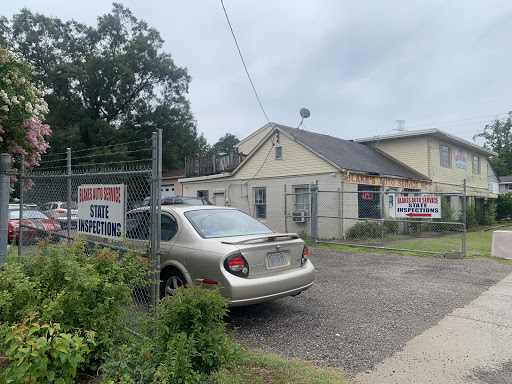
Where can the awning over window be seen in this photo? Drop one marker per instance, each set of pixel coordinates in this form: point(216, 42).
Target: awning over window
point(470, 191)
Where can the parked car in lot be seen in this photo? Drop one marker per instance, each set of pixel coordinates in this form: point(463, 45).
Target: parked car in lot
point(58, 210)
point(180, 200)
point(31, 206)
point(43, 224)
point(223, 246)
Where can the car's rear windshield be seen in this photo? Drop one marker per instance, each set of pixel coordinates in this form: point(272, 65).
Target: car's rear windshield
point(214, 223)
point(15, 215)
point(193, 201)
point(73, 205)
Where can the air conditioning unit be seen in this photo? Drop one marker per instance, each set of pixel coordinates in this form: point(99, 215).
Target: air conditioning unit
point(299, 217)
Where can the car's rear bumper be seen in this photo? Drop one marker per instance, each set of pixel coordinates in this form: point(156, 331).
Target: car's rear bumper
point(246, 291)
point(63, 221)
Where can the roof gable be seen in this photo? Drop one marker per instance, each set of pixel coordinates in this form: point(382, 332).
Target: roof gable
point(350, 155)
point(437, 133)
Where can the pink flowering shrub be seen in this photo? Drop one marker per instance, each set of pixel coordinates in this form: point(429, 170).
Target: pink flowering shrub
point(22, 108)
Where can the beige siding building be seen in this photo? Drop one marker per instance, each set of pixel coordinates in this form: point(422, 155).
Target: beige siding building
point(170, 184)
point(273, 181)
point(445, 159)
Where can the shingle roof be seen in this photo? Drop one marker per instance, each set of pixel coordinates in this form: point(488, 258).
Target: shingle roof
point(506, 179)
point(351, 155)
point(176, 173)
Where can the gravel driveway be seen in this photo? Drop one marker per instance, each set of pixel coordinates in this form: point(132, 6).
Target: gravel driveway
point(363, 307)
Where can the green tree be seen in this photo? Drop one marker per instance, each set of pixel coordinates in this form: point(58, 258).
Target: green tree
point(22, 108)
point(498, 138)
point(106, 84)
point(504, 206)
point(226, 143)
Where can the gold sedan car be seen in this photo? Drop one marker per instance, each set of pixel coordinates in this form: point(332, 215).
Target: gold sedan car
point(225, 247)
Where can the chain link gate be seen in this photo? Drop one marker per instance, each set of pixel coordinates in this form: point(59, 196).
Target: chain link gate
point(371, 217)
point(52, 191)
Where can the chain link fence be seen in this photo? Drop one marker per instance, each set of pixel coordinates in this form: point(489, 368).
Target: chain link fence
point(429, 222)
point(50, 195)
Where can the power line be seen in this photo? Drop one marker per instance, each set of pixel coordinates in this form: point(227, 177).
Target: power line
point(243, 61)
point(464, 107)
point(455, 121)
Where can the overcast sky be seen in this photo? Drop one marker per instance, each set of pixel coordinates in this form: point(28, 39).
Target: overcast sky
point(358, 66)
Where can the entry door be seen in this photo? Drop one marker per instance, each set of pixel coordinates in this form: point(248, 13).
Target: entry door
point(218, 199)
point(369, 201)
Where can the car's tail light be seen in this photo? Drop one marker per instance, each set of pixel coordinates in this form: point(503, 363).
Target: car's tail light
point(60, 211)
point(237, 265)
point(305, 254)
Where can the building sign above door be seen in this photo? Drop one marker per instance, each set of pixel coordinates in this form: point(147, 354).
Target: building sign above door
point(386, 181)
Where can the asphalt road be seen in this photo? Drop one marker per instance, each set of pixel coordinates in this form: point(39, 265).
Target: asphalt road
point(364, 307)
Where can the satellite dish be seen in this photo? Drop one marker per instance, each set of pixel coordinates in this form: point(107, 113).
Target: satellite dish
point(304, 112)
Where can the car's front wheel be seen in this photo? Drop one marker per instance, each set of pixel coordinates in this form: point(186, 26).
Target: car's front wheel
point(172, 278)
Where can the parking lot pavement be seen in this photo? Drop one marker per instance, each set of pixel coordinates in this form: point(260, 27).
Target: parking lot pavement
point(365, 307)
point(470, 345)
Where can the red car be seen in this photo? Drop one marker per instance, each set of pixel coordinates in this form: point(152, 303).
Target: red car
point(44, 226)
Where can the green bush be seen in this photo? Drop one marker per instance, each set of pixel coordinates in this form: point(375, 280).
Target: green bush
point(490, 212)
point(447, 211)
point(189, 342)
point(447, 216)
point(42, 353)
point(391, 227)
point(470, 217)
point(364, 230)
point(504, 206)
point(67, 286)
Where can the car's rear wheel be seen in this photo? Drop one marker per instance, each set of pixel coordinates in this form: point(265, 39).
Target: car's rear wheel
point(172, 279)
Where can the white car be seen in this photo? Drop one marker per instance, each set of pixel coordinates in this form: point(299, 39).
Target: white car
point(58, 210)
point(225, 247)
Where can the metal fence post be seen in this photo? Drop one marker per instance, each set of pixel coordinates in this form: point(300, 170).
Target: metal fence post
point(343, 208)
point(158, 212)
point(464, 219)
point(382, 211)
point(285, 211)
point(155, 202)
point(68, 175)
point(5, 182)
point(339, 213)
point(314, 211)
point(22, 203)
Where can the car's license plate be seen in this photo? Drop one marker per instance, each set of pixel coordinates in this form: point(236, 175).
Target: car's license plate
point(275, 259)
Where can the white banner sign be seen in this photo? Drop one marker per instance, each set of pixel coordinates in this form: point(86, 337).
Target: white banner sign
point(101, 210)
point(461, 160)
point(428, 207)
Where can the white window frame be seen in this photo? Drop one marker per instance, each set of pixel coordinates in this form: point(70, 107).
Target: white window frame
point(447, 158)
point(203, 193)
point(279, 153)
point(301, 198)
point(260, 202)
point(476, 166)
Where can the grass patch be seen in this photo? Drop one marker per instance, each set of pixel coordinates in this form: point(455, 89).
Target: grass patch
point(478, 244)
point(353, 248)
point(256, 367)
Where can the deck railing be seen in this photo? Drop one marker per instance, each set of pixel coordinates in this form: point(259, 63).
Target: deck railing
point(213, 164)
